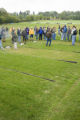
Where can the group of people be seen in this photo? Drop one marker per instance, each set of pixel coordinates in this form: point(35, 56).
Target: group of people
point(68, 33)
point(39, 33)
point(48, 34)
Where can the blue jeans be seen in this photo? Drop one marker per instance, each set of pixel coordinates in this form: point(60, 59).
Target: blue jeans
point(31, 36)
point(62, 36)
point(0, 44)
point(54, 36)
point(68, 37)
point(73, 39)
point(44, 37)
point(36, 36)
point(65, 36)
point(48, 40)
point(59, 32)
point(19, 39)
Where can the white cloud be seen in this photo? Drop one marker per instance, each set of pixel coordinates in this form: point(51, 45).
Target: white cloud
point(40, 5)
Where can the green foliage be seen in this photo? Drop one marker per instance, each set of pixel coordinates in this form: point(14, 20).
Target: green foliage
point(7, 18)
point(26, 16)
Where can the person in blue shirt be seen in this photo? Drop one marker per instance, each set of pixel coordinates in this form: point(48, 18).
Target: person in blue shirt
point(27, 33)
point(65, 32)
point(40, 33)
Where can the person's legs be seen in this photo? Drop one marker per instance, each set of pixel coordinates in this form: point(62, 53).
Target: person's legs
point(50, 41)
point(27, 37)
point(73, 39)
point(47, 42)
point(25, 41)
point(79, 38)
point(0, 44)
point(44, 36)
point(68, 37)
point(19, 39)
point(54, 36)
point(62, 36)
point(41, 36)
point(36, 36)
point(23, 38)
point(12, 40)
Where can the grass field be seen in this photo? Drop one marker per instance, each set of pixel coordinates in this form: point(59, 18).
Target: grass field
point(46, 23)
point(25, 97)
point(26, 89)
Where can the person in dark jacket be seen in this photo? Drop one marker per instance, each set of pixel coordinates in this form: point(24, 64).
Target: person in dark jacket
point(27, 33)
point(24, 36)
point(74, 33)
point(19, 35)
point(68, 33)
point(40, 33)
point(59, 32)
point(62, 34)
point(14, 36)
point(48, 36)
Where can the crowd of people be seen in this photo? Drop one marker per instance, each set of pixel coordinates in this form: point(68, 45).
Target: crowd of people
point(48, 34)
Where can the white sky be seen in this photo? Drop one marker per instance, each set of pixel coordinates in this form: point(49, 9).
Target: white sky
point(40, 5)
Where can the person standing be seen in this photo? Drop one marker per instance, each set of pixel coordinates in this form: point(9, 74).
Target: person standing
point(24, 36)
point(68, 33)
point(37, 32)
point(27, 33)
point(13, 35)
point(74, 33)
point(19, 35)
point(3, 34)
point(44, 33)
point(54, 33)
point(40, 33)
point(62, 34)
point(59, 32)
point(48, 36)
point(31, 33)
point(65, 32)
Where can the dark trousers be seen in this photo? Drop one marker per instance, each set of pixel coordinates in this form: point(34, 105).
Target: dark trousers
point(24, 39)
point(40, 36)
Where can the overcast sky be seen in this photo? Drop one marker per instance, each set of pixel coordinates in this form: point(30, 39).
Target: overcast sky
point(40, 5)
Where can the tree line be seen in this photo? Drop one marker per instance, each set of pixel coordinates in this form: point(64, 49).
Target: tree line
point(15, 17)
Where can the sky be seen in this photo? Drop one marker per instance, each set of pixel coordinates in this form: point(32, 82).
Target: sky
point(40, 5)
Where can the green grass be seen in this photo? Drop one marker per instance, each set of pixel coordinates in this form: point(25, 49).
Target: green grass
point(45, 23)
point(24, 97)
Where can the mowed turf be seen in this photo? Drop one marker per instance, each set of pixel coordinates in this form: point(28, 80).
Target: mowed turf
point(25, 97)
